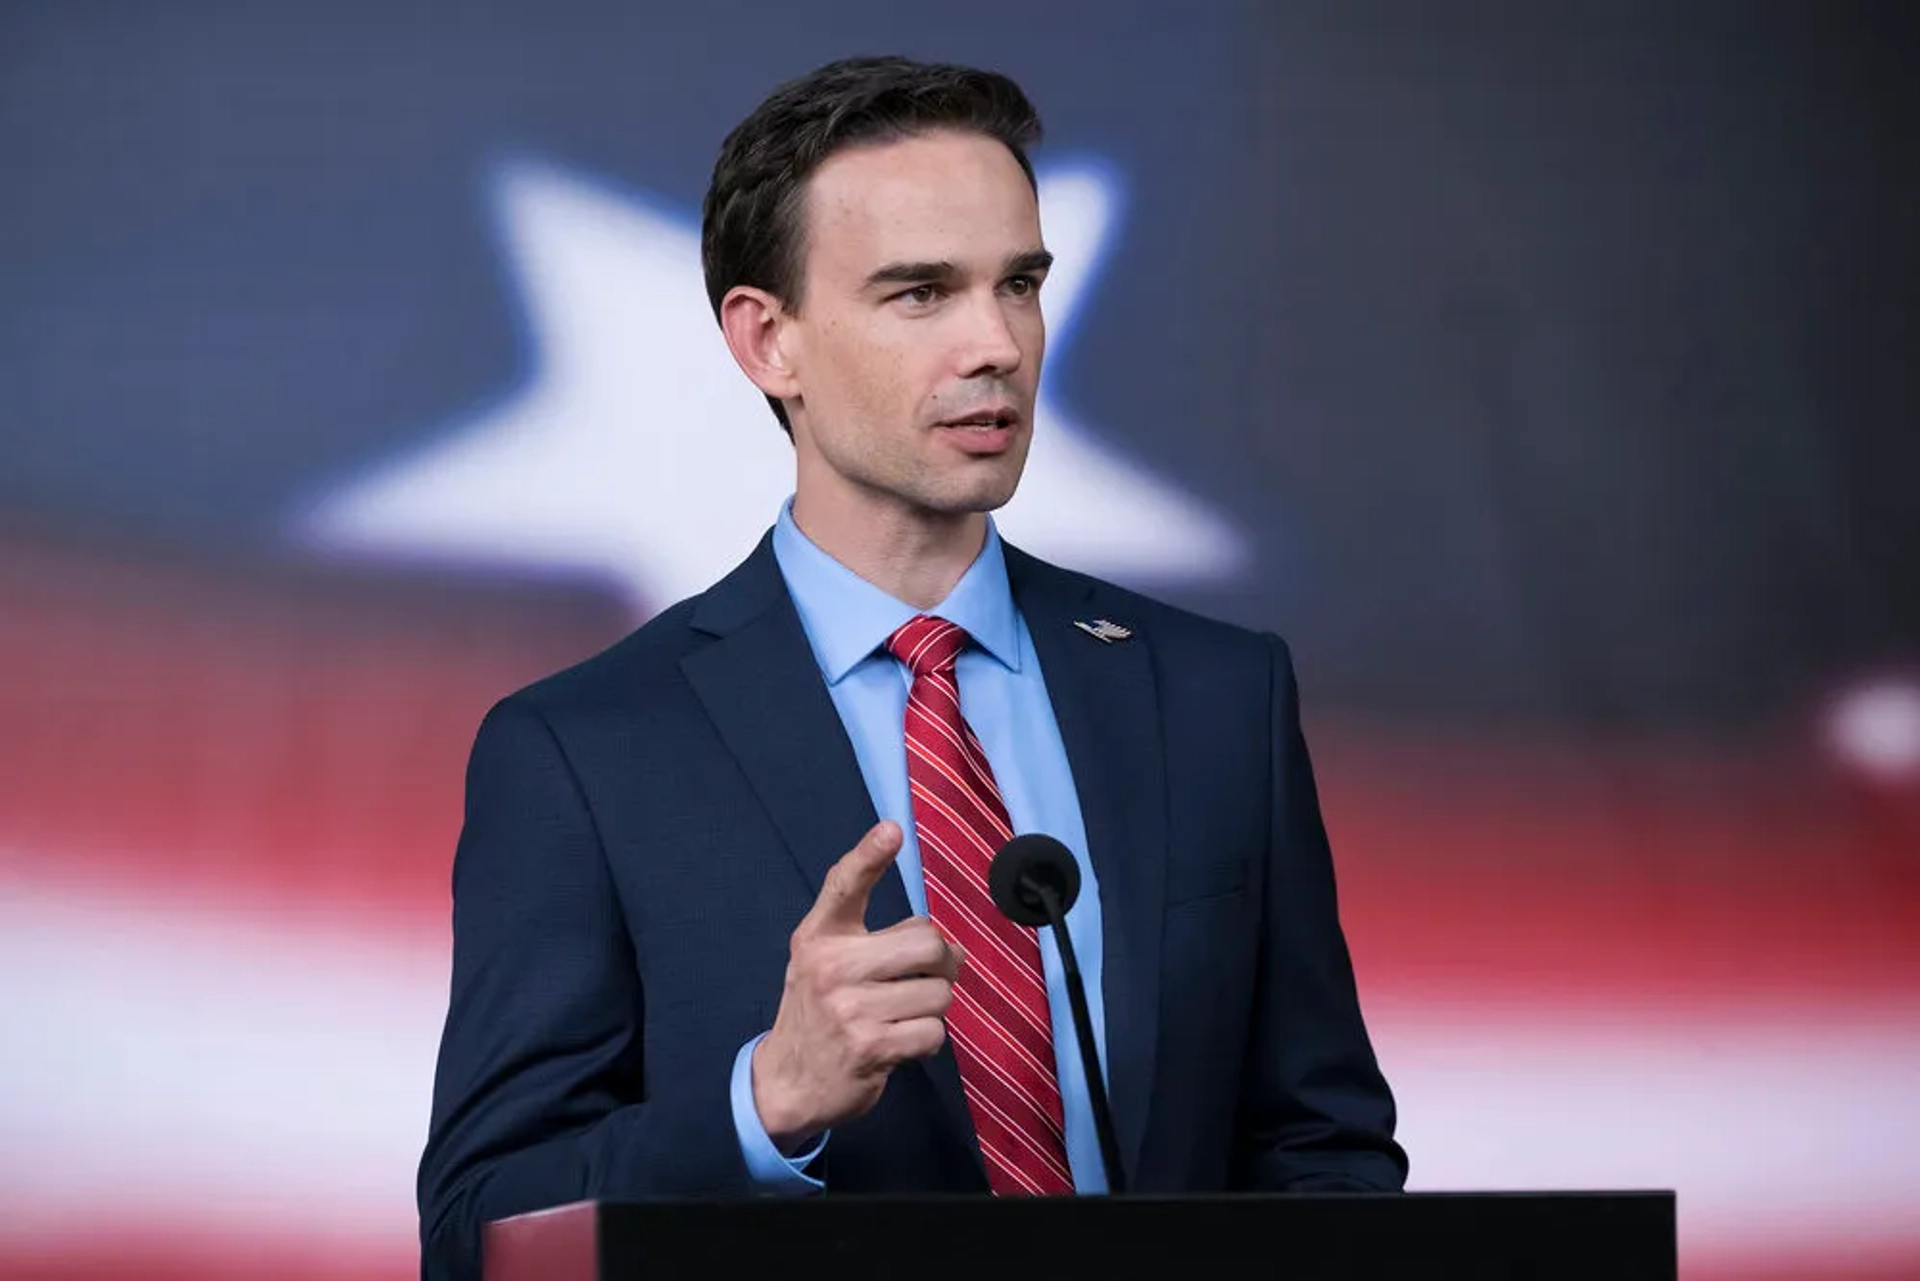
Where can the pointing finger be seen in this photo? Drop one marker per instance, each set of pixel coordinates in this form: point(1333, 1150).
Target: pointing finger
point(842, 904)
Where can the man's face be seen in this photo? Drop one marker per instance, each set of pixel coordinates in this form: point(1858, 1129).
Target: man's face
point(917, 346)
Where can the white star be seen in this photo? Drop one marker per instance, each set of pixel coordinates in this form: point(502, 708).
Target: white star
point(637, 451)
point(1876, 729)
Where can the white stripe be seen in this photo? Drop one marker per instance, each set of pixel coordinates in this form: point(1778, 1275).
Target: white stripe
point(945, 729)
point(964, 740)
point(982, 767)
point(964, 915)
point(969, 870)
point(1006, 1167)
point(951, 726)
point(956, 729)
point(929, 808)
point(1798, 1133)
point(950, 687)
point(1054, 1161)
point(979, 842)
point(1021, 968)
point(987, 811)
point(1041, 1117)
point(917, 635)
point(992, 1068)
point(161, 1057)
point(151, 1050)
point(1035, 1063)
point(933, 636)
point(921, 792)
point(1025, 1053)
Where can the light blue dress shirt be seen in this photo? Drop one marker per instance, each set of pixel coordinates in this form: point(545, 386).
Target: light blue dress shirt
point(1004, 698)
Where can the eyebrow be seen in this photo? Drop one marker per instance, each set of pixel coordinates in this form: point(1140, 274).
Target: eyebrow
point(910, 273)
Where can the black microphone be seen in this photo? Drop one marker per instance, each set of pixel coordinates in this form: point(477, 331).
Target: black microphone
point(1034, 880)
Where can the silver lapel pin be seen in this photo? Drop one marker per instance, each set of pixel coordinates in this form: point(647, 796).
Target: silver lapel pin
point(1103, 629)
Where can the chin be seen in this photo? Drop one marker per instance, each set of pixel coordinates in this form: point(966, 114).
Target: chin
point(985, 495)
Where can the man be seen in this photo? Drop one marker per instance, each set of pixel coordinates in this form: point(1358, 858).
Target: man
point(720, 925)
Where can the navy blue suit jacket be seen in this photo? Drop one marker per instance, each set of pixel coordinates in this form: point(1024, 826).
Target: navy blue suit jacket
point(644, 830)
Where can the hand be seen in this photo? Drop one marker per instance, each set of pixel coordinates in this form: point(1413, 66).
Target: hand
point(856, 1004)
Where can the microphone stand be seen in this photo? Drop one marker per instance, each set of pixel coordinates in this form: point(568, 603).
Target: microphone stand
point(1083, 1030)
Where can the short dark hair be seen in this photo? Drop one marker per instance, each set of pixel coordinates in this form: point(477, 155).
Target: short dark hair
point(751, 231)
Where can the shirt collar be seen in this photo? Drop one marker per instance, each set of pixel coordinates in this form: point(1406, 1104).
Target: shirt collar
point(847, 618)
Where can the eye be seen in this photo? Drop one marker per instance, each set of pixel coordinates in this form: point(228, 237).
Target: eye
point(921, 295)
point(1023, 286)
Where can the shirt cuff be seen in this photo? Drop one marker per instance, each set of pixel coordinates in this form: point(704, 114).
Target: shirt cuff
point(770, 1169)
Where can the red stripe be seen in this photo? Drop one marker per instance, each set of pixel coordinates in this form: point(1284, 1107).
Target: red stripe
point(1015, 1139)
point(290, 742)
point(1025, 1093)
point(953, 802)
point(994, 1031)
point(992, 957)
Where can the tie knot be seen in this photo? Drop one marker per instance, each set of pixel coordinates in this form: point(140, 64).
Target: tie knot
point(927, 644)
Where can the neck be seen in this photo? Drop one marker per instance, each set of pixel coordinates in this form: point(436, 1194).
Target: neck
point(914, 556)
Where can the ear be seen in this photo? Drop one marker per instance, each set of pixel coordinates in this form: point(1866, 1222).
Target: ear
point(755, 324)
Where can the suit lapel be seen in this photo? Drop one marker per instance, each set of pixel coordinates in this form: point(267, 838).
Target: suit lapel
point(1104, 699)
point(762, 688)
point(763, 691)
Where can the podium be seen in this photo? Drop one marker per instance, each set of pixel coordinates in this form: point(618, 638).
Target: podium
point(1472, 1236)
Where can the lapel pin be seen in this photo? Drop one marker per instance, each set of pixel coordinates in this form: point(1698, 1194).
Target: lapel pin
point(1103, 629)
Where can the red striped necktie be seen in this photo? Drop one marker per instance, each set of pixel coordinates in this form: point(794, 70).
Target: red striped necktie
point(999, 1023)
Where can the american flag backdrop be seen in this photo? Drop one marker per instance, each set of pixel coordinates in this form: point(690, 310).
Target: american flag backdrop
point(1545, 374)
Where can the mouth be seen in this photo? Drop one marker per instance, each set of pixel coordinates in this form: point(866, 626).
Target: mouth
point(993, 418)
point(985, 431)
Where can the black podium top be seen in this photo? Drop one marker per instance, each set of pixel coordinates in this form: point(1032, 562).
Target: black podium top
point(1566, 1236)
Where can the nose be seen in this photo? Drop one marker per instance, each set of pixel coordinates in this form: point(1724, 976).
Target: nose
point(991, 345)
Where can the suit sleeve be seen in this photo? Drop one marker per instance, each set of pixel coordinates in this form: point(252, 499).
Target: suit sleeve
point(1317, 1113)
point(541, 1095)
